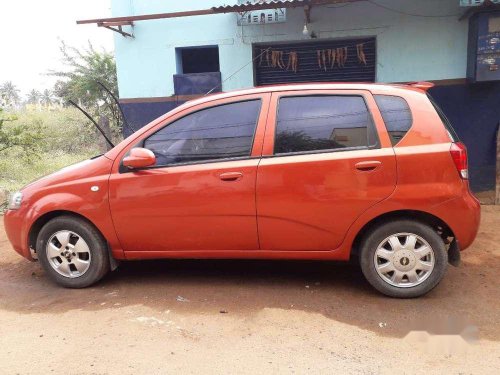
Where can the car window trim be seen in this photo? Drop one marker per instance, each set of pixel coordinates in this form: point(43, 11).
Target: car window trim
point(260, 99)
point(376, 145)
point(325, 151)
point(123, 169)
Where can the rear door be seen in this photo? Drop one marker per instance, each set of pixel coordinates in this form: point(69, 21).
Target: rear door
point(326, 159)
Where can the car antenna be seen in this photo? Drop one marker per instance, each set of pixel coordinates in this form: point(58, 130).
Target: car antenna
point(93, 121)
point(119, 106)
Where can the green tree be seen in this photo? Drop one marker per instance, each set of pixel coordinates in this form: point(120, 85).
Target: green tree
point(47, 98)
point(26, 138)
point(9, 94)
point(34, 97)
point(84, 68)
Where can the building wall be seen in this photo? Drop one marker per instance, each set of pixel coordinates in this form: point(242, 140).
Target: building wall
point(408, 48)
point(474, 111)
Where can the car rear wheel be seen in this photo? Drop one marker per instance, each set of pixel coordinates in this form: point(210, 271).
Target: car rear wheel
point(72, 252)
point(403, 258)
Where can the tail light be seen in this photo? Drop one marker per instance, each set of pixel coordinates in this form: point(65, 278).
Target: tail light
point(459, 155)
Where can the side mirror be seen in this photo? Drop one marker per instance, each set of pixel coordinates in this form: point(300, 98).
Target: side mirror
point(139, 158)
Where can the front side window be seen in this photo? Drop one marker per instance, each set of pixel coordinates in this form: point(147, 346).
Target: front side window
point(396, 114)
point(315, 123)
point(225, 131)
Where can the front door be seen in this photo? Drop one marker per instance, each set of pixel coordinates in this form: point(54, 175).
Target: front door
point(323, 165)
point(200, 195)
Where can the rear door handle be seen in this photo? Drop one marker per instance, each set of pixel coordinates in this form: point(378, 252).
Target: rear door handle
point(368, 165)
point(230, 176)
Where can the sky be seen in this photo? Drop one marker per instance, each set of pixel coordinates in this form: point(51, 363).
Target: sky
point(31, 32)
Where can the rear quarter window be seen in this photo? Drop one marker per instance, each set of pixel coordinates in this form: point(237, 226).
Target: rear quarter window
point(396, 114)
point(447, 124)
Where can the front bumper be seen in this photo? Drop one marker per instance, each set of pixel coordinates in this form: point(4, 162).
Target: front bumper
point(17, 232)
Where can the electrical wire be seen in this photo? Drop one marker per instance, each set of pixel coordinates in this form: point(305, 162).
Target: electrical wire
point(240, 69)
point(411, 14)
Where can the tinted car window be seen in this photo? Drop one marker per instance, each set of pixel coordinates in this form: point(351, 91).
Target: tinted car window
point(225, 131)
point(314, 123)
point(447, 124)
point(396, 114)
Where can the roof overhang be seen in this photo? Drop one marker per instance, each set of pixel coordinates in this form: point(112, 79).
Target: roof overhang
point(116, 23)
point(485, 6)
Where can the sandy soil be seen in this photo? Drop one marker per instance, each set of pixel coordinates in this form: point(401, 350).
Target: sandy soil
point(253, 317)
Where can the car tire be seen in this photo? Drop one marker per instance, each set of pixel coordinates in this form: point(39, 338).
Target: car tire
point(392, 258)
point(72, 252)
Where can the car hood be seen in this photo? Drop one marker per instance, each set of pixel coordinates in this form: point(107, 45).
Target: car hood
point(85, 169)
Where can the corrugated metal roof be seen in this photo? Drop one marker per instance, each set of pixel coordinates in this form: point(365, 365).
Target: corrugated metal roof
point(238, 8)
point(253, 5)
point(272, 4)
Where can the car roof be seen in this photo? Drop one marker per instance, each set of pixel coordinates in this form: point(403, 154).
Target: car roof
point(386, 88)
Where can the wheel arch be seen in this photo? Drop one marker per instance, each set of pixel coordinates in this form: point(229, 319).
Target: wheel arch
point(435, 222)
point(46, 217)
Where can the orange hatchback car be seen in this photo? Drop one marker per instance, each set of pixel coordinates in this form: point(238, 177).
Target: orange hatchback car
point(317, 171)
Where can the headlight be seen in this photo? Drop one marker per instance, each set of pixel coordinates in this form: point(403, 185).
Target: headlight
point(15, 200)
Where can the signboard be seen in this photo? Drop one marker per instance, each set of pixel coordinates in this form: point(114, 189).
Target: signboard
point(261, 17)
point(474, 3)
point(483, 62)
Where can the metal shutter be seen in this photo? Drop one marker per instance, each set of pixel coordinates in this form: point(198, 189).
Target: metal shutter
point(308, 68)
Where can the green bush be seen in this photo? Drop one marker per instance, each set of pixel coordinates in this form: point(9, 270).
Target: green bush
point(19, 136)
point(64, 129)
point(62, 138)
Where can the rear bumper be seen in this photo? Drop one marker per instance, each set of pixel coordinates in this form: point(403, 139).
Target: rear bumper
point(462, 215)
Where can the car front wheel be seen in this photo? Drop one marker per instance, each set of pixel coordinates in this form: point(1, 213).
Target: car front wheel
point(403, 258)
point(72, 252)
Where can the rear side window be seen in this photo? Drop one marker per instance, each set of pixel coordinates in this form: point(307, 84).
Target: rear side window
point(396, 114)
point(447, 124)
point(315, 123)
point(224, 131)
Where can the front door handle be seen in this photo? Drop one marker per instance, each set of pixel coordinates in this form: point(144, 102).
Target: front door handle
point(230, 176)
point(366, 166)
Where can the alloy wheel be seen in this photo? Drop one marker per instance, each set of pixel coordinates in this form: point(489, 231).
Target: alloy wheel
point(68, 254)
point(404, 260)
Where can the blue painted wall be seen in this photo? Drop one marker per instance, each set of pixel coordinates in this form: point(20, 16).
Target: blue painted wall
point(409, 48)
point(474, 111)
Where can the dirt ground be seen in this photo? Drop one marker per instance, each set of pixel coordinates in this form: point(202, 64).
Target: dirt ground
point(255, 317)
